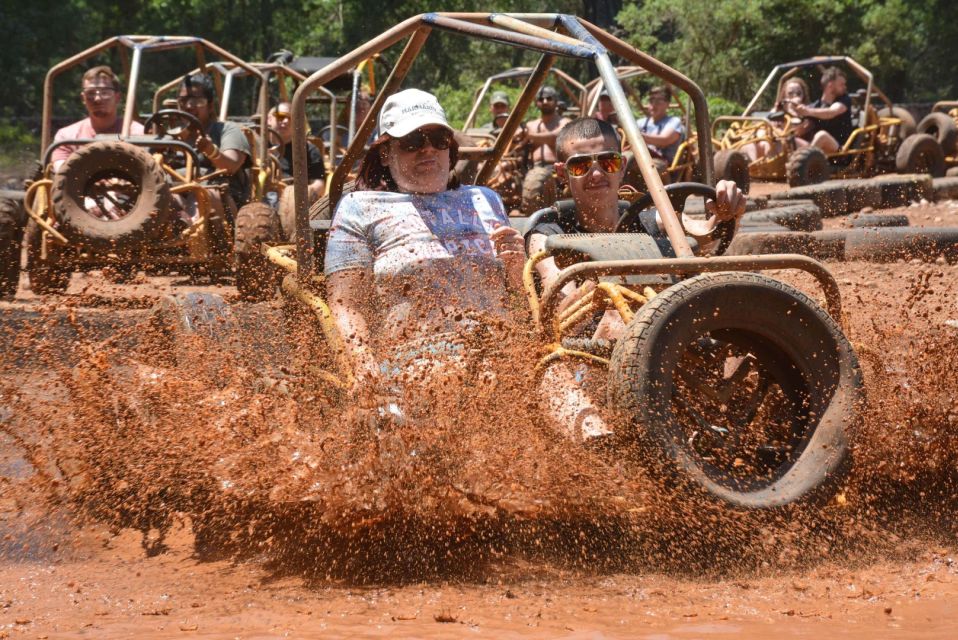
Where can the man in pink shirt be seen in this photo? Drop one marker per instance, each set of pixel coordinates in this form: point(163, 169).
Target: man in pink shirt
point(100, 96)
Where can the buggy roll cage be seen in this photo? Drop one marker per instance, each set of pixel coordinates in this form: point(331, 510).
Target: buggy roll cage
point(569, 85)
point(551, 35)
point(131, 67)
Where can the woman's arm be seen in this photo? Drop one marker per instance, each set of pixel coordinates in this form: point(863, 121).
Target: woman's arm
point(347, 292)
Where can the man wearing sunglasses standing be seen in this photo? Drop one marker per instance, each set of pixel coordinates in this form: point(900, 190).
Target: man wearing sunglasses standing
point(539, 185)
point(590, 161)
point(100, 95)
point(223, 144)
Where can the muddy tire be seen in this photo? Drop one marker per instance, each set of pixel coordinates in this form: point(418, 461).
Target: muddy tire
point(900, 190)
point(115, 176)
point(920, 153)
point(908, 126)
point(830, 198)
point(11, 238)
point(797, 217)
point(733, 165)
point(889, 244)
point(47, 276)
point(945, 188)
point(942, 128)
point(807, 165)
point(256, 277)
point(739, 386)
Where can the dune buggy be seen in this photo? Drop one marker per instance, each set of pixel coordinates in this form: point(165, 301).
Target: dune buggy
point(129, 201)
point(729, 382)
point(882, 141)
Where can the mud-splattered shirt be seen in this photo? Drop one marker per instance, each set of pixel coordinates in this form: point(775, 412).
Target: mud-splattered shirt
point(430, 255)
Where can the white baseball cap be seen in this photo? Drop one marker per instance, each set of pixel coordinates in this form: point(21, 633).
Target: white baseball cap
point(407, 110)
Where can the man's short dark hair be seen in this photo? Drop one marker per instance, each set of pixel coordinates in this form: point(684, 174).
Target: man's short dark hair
point(201, 80)
point(832, 73)
point(583, 129)
point(663, 90)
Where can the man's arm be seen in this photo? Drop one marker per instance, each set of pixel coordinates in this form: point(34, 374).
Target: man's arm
point(669, 136)
point(822, 113)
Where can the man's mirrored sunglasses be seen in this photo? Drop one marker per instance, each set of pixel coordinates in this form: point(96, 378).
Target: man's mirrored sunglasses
point(608, 161)
point(440, 139)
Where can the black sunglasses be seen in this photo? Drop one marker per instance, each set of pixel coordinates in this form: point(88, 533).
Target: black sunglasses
point(440, 139)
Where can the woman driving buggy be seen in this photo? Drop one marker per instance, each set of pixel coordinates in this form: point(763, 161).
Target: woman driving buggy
point(793, 93)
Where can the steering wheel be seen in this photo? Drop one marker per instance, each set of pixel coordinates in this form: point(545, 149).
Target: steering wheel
point(173, 123)
point(276, 145)
point(678, 193)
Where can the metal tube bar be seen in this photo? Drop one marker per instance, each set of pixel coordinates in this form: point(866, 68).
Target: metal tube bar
point(543, 45)
point(521, 26)
point(515, 117)
point(292, 287)
point(550, 299)
point(129, 109)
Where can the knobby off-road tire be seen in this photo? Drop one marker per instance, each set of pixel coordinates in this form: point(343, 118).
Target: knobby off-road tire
point(49, 276)
point(908, 126)
point(942, 128)
point(11, 237)
point(146, 201)
point(920, 153)
point(808, 165)
point(256, 277)
point(744, 353)
point(733, 165)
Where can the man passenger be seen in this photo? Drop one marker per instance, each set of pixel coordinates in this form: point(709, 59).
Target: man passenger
point(662, 131)
point(100, 95)
point(831, 115)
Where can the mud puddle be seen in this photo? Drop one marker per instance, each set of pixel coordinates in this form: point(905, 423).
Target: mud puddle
point(230, 499)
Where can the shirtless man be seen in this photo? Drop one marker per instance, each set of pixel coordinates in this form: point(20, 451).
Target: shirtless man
point(539, 185)
point(831, 117)
point(100, 94)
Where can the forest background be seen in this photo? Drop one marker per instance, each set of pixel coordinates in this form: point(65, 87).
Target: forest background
point(727, 46)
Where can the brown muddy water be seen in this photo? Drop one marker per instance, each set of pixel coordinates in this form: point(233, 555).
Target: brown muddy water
point(219, 490)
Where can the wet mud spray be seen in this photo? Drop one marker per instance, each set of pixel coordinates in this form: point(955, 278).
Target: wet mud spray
point(237, 451)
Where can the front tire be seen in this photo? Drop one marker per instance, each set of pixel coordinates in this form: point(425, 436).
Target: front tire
point(739, 386)
point(256, 278)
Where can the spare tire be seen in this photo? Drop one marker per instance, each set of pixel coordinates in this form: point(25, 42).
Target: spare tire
point(908, 126)
point(11, 236)
point(920, 153)
point(733, 165)
point(111, 196)
point(256, 277)
point(320, 210)
point(741, 387)
point(942, 128)
point(808, 165)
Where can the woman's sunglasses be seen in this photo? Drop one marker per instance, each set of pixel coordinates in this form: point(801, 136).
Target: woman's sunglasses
point(608, 161)
point(440, 139)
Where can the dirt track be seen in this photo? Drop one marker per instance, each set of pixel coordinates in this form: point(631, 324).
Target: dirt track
point(880, 566)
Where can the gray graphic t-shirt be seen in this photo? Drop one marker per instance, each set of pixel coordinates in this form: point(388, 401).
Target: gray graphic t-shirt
point(430, 255)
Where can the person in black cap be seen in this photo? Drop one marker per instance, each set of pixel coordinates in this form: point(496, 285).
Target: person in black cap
point(605, 111)
point(539, 185)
